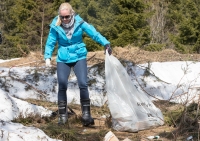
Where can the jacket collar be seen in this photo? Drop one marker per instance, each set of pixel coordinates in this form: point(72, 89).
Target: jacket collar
point(78, 21)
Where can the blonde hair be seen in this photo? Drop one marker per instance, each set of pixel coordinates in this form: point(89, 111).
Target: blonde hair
point(64, 6)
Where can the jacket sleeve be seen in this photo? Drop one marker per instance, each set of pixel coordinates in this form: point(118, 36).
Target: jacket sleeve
point(94, 34)
point(50, 43)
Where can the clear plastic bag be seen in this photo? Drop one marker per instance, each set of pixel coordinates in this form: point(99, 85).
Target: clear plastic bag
point(131, 110)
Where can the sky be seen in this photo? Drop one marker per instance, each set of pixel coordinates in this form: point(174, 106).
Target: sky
point(175, 81)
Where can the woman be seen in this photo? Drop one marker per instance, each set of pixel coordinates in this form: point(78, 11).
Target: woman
point(67, 29)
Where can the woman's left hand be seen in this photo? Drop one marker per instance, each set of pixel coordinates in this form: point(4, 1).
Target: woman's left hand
point(107, 47)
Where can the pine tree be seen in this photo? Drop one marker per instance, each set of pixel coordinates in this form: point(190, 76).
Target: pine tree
point(184, 18)
point(130, 22)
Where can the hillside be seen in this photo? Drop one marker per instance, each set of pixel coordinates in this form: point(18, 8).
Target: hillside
point(102, 126)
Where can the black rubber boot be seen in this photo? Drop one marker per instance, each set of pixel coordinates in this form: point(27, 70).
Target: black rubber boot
point(62, 111)
point(86, 116)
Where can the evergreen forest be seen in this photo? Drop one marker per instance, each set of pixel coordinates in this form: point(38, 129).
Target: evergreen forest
point(151, 25)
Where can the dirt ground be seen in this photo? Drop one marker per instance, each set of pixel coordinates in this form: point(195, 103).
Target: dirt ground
point(129, 53)
point(133, 54)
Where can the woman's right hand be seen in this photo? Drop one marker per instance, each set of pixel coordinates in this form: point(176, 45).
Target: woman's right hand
point(48, 62)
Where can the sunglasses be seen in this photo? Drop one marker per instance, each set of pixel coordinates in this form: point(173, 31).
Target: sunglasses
point(67, 17)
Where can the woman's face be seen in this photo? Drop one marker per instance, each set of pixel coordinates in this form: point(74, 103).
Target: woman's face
point(65, 16)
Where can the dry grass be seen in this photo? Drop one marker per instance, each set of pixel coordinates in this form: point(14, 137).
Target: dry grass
point(74, 131)
point(133, 54)
point(139, 56)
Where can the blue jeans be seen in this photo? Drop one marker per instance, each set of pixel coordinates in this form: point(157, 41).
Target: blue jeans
point(63, 72)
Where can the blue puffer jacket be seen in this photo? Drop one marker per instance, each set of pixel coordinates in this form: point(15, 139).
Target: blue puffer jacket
point(71, 50)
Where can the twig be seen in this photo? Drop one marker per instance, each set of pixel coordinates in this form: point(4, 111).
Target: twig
point(24, 82)
point(143, 88)
point(91, 57)
point(152, 73)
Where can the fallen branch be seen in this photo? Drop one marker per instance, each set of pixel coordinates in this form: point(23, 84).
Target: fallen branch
point(143, 88)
